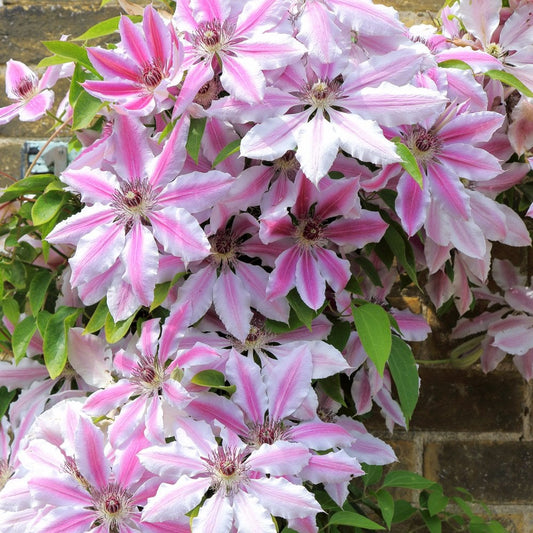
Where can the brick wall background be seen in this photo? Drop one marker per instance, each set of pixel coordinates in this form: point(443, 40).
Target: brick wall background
point(470, 429)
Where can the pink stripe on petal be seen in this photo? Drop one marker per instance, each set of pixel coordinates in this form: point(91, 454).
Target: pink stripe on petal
point(320, 435)
point(411, 204)
point(282, 279)
point(156, 34)
point(130, 423)
point(103, 401)
point(250, 515)
point(141, 259)
point(154, 429)
point(279, 459)
point(93, 184)
point(232, 304)
point(60, 488)
point(309, 283)
point(96, 252)
point(134, 42)
point(175, 393)
point(179, 233)
point(333, 269)
point(89, 453)
point(446, 186)
point(173, 330)
point(35, 108)
point(251, 395)
point(9, 112)
point(289, 382)
point(71, 230)
point(65, 518)
point(216, 514)
point(113, 65)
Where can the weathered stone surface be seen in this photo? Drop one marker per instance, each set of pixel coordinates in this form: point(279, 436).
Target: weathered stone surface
point(459, 400)
point(22, 27)
point(9, 160)
point(494, 472)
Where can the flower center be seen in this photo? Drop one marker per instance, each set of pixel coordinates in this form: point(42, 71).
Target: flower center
point(424, 145)
point(5, 473)
point(208, 92)
point(133, 201)
point(227, 469)
point(267, 433)
point(148, 375)
point(495, 50)
point(322, 93)
point(151, 75)
point(310, 232)
point(224, 246)
point(113, 505)
point(26, 88)
point(287, 164)
point(211, 37)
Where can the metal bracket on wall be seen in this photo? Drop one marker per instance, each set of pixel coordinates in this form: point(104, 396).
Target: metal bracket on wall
point(53, 160)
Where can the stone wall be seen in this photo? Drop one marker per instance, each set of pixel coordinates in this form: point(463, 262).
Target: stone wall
point(470, 430)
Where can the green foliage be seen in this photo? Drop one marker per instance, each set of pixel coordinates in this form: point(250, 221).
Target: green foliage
point(194, 140)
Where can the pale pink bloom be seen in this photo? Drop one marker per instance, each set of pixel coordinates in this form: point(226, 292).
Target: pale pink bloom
point(132, 212)
point(492, 43)
point(521, 128)
point(320, 221)
point(243, 483)
point(140, 72)
point(33, 97)
point(80, 483)
point(340, 108)
point(219, 278)
point(240, 39)
point(155, 380)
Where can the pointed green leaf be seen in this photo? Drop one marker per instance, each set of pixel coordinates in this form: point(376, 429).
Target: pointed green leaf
point(74, 52)
point(332, 387)
point(339, 334)
point(402, 511)
point(372, 475)
point(98, 318)
point(454, 63)
point(11, 310)
point(5, 400)
point(84, 110)
point(106, 27)
point(114, 331)
point(369, 269)
point(402, 251)
point(409, 162)
point(437, 502)
point(55, 339)
point(47, 206)
point(433, 523)
point(160, 293)
point(386, 506)
point(212, 379)
point(346, 518)
point(305, 314)
point(194, 140)
point(406, 480)
point(509, 79)
point(38, 289)
point(30, 185)
point(405, 376)
point(373, 326)
point(21, 337)
point(232, 148)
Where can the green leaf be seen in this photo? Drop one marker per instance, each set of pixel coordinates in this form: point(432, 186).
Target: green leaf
point(74, 52)
point(402, 251)
point(346, 518)
point(409, 162)
point(55, 339)
point(194, 140)
point(372, 475)
point(212, 379)
point(454, 63)
point(305, 314)
point(373, 326)
point(369, 269)
point(509, 79)
point(433, 523)
point(38, 288)
point(21, 337)
point(160, 293)
point(106, 27)
point(47, 206)
point(402, 511)
point(84, 110)
point(11, 310)
point(53, 60)
point(332, 387)
point(339, 334)
point(437, 502)
point(386, 506)
point(406, 480)
point(405, 375)
point(5, 400)
point(232, 148)
point(114, 331)
point(98, 318)
point(30, 185)
point(42, 320)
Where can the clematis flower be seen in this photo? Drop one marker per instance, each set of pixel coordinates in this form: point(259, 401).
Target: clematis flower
point(319, 219)
point(132, 212)
point(243, 483)
point(33, 97)
point(139, 73)
point(341, 108)
point(243, 42)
